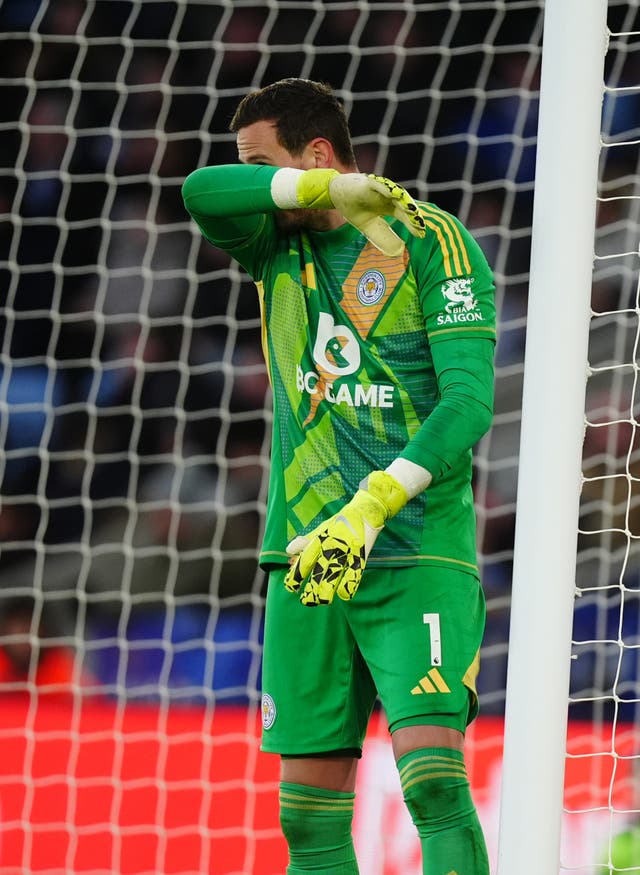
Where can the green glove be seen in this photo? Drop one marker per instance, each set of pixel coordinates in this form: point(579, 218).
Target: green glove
point(363, 199)
point(332, 557)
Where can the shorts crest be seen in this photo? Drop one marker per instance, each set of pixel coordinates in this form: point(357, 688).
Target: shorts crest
point(268, 711)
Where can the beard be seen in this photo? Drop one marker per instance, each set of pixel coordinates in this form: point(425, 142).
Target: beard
point(296, 220)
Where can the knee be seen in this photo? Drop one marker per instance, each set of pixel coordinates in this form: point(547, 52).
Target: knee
point(436, 789)
point(312, 817)
point(298, 828)
point(316, 824)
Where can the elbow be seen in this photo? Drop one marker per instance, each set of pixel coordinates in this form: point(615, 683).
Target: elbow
point(484, 419)
point(197, 191)
point(191, 187)
point(473, 415)
point(480, 415)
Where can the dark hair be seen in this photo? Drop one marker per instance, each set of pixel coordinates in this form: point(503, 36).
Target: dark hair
point(301, 111)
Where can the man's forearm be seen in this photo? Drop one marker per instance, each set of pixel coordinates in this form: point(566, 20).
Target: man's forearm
point(364, 200)
point(229, 190)
point(465, 409)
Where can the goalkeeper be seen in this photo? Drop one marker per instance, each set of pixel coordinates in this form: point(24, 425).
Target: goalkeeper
point(378, 332)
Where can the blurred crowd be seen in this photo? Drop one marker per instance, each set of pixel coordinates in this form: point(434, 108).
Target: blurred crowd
point(133, 398)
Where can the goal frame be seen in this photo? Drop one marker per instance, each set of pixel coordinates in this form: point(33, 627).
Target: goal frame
point(549, 478)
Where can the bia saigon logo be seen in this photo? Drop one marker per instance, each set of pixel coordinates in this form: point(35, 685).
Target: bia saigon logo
point(461, 304)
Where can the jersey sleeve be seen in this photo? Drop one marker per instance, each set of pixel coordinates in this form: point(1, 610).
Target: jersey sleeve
point(455, 282)
point(457, 295)
point(464, 370)
point(233, 207)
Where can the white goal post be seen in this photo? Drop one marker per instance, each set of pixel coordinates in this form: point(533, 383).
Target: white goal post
point(135, 419)
point(549, 482)
point(576, 539)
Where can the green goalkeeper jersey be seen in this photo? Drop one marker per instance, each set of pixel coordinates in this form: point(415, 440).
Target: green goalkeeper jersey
point(370, 358)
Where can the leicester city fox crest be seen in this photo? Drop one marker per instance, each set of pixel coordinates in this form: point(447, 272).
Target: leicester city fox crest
point(268, 711)
point(371, 287)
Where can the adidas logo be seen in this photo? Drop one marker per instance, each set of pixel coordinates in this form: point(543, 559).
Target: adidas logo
point(432, 682)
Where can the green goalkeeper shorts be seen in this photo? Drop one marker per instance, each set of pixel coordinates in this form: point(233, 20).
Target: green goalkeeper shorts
point(410, 636)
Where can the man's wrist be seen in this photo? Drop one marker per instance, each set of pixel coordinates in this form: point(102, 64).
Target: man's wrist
point(386, 489)
point(413, 478)
point(293, 189)
point(284, 185)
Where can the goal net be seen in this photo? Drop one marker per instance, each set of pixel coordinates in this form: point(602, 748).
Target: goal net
point(606, 666)
point(135, 417)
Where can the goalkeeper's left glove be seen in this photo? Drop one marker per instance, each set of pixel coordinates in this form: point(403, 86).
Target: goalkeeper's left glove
point(363, 199)
point(332, 557)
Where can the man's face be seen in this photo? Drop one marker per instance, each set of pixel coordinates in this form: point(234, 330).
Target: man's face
point(258, 144)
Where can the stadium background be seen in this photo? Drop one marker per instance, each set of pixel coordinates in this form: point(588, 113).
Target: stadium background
point(135, 405)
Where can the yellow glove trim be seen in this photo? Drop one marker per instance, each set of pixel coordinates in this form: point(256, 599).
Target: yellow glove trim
point(312, 189)
point(388, 490)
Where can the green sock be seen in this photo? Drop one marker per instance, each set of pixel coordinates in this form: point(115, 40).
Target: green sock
point(317, 826)
point(437, 793)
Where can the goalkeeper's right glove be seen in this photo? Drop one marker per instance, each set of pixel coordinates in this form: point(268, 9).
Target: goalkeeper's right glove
point(332, 557)
point(363, 199)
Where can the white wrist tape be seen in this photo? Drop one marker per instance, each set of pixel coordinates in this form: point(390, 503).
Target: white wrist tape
point(284, 185)
point(412, 477)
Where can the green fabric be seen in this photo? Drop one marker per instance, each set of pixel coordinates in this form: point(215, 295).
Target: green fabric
point(437, 794)
point(227, 201)
point(362, 649)
point(465, 376)
point(370, 358)
point(317, 826)
point(235, 189)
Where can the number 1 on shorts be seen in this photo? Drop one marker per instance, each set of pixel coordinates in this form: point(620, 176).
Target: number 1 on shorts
point(433, 622)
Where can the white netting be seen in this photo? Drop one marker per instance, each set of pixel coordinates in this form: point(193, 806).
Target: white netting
point(605, 672)
point(134, 408)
